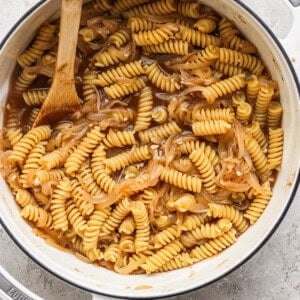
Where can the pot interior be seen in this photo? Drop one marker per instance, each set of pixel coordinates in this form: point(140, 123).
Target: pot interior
point(101, 280)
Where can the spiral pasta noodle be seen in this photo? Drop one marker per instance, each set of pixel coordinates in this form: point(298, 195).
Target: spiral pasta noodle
point(142, 225)
point(257, 155)
point(24, 81)
point(58, 205)
point(120, 90)
point(39, 45)
point(110, 57)
point(161, 131)
point(121, 5)
point(181, 260)
point(127, 226)
point(75, 218)
point(27, 142)
point(206, 170)
point(242, 60)
point(263, 100)
point(166, 236)
point(162, 257)
point(116, 217)
point(210, 127)
point(84, 206)
point(189, 9)
point(38, 215)
point(159, 114)
point(166, 83)
point(119, 38)
point(93, 228)
point(14, 136)
point(228, 212)
point(179, 179)
point(24, 198)
point(193, 221)
point(274, 114)
point(137, 24)
point(145, 105)
point(253, 87)
point(256, 132)
point(32, 162)
point(88, 144)
point(197, 38)
point(130, 70)
point(119, 139)
point(205, 25)
point(243, 112)
point(225, 114)
point(258, 205)
point(209, 231)
point(228, 69)
point(171, 46)
point(155, 8)
point(122, 160)
point(155, 36)
point(275, 149)
point(224, 87)
point(88, 91)
point(214, 246)
point(35, 97)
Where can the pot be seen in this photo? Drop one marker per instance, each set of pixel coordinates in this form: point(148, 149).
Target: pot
point(100, 281)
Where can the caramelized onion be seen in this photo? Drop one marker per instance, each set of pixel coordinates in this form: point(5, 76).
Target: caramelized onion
point(131, 186)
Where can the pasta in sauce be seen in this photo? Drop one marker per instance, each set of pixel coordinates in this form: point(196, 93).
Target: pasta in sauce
point(175, 150)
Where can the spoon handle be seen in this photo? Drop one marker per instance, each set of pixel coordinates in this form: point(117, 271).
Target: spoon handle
point(68, 36)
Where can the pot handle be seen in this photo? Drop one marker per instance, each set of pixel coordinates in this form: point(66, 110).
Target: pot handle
point(291, 42)
point(12, 289)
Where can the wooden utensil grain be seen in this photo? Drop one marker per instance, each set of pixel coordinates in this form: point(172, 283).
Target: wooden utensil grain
point(62, 97)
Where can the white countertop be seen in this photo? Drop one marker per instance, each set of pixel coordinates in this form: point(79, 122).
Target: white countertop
point(273, 273)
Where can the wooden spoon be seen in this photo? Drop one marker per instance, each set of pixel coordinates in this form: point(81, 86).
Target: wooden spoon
point(62, 97)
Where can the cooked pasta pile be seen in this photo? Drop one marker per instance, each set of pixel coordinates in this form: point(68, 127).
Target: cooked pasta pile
point(175, 150)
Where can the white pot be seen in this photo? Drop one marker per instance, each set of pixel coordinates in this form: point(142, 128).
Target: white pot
point(102, 281)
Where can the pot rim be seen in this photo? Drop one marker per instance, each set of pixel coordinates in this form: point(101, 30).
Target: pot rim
point(235, 267)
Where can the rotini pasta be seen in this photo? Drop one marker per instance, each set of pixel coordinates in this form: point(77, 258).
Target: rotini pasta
point(197, 38)
point(224, 87)
point(228, 212)
point(157, 8)
point(156, 36)
point(210, 127)
point(274, 114)
point(120, 90)
point(171, 46)
point(41, 43)
point(258, 205)
point(143, 119)
point(35, 97)
point(159, 114)
point(214, 246)
point(162, 131)
point(166, 83)
point(88, 144)
point(206, 170)
point(179, 179)
point(275, 149)
point(22, 148)
point(58, 205)
point(189, 9)
point(109, 77)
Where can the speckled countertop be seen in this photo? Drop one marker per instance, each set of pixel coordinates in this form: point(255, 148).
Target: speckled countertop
point(273, 273)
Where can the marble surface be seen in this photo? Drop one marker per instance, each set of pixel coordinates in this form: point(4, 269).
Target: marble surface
point(273, 273)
